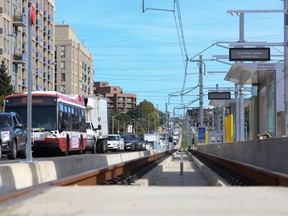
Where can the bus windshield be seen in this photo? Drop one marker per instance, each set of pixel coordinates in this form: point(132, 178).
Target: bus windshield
point(42, 116)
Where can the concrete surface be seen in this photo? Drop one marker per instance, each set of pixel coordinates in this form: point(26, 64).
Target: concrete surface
point(194, 173)
point(137, 200)
point(174, 175)
point(22, 174)
point(268, 153)
point(171, 194)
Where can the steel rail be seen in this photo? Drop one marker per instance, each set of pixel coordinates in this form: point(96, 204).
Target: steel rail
point(258, 174)
point(92, 177)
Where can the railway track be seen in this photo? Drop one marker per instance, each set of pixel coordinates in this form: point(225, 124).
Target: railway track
point(241, 174)
point(123, 173)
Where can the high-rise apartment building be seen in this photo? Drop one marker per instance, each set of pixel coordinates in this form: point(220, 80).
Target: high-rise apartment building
point(116, 99)
point(14, 40)
point(74, 71)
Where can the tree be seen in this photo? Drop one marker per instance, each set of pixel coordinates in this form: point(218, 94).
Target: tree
point(6, 87)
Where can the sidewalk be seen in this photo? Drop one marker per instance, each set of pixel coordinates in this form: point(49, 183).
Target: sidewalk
point(172, 175)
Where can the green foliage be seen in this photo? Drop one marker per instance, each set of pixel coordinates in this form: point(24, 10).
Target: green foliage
point(140, 115)
point(5, 83)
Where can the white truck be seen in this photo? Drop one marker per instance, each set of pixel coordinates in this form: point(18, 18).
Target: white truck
point(96, 123)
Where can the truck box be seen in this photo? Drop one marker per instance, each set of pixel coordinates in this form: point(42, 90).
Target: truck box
point(96, 123)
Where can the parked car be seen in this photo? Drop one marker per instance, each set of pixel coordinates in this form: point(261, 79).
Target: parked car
point(130, 142)
point(115, 142)
point(13, 135)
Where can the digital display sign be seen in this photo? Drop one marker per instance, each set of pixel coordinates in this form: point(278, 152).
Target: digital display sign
point(39, 100)
point(249, 54)
point(219, 95)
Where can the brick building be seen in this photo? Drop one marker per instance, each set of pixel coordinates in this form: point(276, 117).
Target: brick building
point(116, 99)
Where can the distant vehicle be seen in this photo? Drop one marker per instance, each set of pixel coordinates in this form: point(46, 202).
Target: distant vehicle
point(138, 146)
point(142, 143)
point(13, 138)
point(58, 120)
point(130, 143)
point(96, 123)
point(152, 137)
point(115, 142)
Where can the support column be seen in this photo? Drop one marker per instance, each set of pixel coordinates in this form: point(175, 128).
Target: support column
point(286, 64)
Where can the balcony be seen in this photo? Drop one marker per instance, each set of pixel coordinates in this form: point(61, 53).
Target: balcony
point(24, 30)
point(49, 77)
point(50, 33)
point(50, 47)
point(19, 58)
point(24, 47)
point(24, 10)
point(45, 14)
point(31, 2)
point(38, 39)
point(45, 44)
point(20, 20)
point(45, 60)
point(45, 30)
point(38, 23)
point(38, 55)
point(38, 7)
point(38, 72)
point(45, 75)
point(50, 19)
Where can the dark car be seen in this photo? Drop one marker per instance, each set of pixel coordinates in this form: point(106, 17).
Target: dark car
point(142, 143)
point(13, 135)
point(130, 142)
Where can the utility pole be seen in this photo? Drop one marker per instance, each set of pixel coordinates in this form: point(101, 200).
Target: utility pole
point(31, 23)
point(200, 91)
point(241, 95)
point(166, 125)
point(286, 64)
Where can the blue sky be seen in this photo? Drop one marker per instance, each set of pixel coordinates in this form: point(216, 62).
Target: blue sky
point(141, 53)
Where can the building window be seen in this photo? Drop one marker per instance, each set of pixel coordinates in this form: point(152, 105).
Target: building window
point(63, 78)
point(63, 65)
point(63, 51)
point(63, 89)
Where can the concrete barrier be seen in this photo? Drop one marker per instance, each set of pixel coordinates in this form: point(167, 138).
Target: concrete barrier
point(267, 153)
point(25, 174)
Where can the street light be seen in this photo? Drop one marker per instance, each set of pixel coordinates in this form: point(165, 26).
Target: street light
point(155, 120)
point(118, 127)
point(136, 128)
point(113, 120)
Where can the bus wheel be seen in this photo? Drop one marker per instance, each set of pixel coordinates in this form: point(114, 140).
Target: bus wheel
point(67, 147)
point(13, 150)
point(93, 149)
